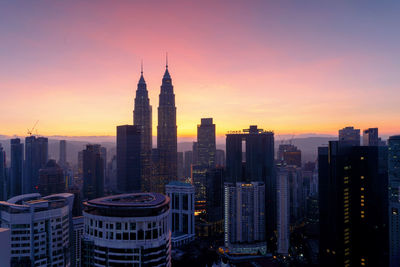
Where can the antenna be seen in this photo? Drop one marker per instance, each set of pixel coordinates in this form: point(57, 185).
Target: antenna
point(166, 60)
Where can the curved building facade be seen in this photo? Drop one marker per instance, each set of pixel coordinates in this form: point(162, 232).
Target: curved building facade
point(127, 230)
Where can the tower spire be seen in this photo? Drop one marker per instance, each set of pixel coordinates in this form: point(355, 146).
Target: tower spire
point(141, 67)
point(166, 60)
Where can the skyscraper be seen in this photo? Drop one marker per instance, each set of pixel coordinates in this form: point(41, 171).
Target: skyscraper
point(188, 163)
point(250, 158)
point(17, 164)
point(394, 199)
point(36, 156)
point(3, 180)
point(63, 154)
point(93, 172)
point(129, 158)
point(51, 179)
point(283, 210)
point(353, 205)
point(349, 136)
point(289, 154)
point(206, 143)
point(371, 137)
point(166, 133)
point(142, 118)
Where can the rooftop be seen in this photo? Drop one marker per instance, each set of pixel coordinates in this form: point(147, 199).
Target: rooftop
point(177, 183)
point(130, 200)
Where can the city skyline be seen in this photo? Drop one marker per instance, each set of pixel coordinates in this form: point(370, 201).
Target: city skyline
point(336, 66)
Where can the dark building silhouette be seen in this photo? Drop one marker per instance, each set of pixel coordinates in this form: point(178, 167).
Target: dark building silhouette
point(353, 205)
point(166, 134)
point(93, 172)
point(220, 158)
point(206, 143)
point(63, 154)
point(394, 199)
point(3, 179)
point(289, 154)
point(215, 200)
point(129, 159)
point(250, 158)
point(195, 149)
point(188, 161)
point(142, 118)
point(17, 164)
point(180, 165)
point(51, 179)
point(36, 156)
point(349, 136)
point(371, 137)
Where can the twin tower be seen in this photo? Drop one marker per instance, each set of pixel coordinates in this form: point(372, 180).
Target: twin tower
point(159, 166)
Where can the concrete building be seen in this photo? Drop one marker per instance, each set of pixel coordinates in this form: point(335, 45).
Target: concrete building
point(36, 157)
point(181, 217)
point(127, 230)
point(394, 199)
point(93, 172)
point(349, 136)
point(17, 164)
point(39, 229)
point(244, 215)
point(283, 211)
point(76, 246)
point(371, 137)
point(5, 247)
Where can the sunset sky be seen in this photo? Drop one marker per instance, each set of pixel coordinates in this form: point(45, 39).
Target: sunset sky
point(289, 66)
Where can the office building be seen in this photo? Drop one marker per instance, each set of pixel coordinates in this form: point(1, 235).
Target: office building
point(220, 158)
point(5, 247)
point(36, 157)
point(129, 230)
point(289, 154)
point(166, 134)
point(283, 211)
point(181, 177)
point(181, 216)
point(206, 147)
point(62, 161)
point(394, 199)
point(17, 164)
point(245, 218)
point(129, 159)
point(353, 205)
point(214, 202)
point(51, 179)
point(93, 172)
point(371, 137)
point(250, 158)
point(199, 182)
point(349, 136)
point(188, 163)
point(142, 118)
point(39, 229)
point(76, 246)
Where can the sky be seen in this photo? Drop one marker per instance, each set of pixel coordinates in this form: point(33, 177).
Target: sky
point(293, 67)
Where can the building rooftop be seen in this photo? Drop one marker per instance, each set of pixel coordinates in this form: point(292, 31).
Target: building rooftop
point(177, 183)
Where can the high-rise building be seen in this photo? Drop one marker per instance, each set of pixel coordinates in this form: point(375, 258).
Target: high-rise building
point(195, 149)
point(93, 172)
point(283, 210)
point(245, 218)
point(129, 230)
point(142, 118)
point(199, 181)
point(353, 205)
point(129, 159)
point(371, 137)
point(51, 179)
point(349, 136)
point(36, 157)
point(220, 158)
point(39, 229)
point(76, 246)
point(250, 158)
point(181, 216)
point(289, 154)
point(180, 166)
point(5, 247)
point(63, 154)
point(206, 143)
point(17, 164)
point(188, 163)
point(3, 178)
point(166, 134)
point(215, 201)
point(394, 199)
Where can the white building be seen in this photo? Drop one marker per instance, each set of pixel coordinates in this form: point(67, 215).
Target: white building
point(245, 217)
point(39, 228)
point(77, 234)
point(5, 247)
point(127, 230)
point(181, 217)
point(283, 211)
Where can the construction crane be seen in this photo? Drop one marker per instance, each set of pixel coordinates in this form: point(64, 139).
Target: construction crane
point(30, 132)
